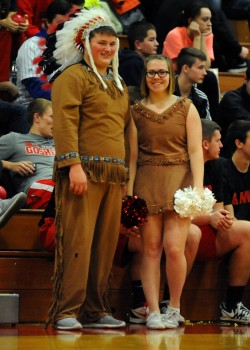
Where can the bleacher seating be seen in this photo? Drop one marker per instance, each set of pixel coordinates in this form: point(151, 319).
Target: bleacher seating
point(26, 269)
point(241, 30)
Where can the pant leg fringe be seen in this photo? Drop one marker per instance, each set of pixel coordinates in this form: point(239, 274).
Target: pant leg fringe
point(58, 269)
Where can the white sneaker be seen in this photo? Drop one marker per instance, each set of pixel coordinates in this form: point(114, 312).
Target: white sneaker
point(154, 321)
point(138, 315)
point(241, 314)
point(172, 318)
point(173, 314)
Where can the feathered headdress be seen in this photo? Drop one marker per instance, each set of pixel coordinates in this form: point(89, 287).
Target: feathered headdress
point(73, 39)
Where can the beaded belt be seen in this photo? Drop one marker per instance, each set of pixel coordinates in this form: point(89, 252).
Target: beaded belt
point(90, 158)
point(102, 159)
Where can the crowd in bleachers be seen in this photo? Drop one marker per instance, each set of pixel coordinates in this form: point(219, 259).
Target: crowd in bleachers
point(196, 36)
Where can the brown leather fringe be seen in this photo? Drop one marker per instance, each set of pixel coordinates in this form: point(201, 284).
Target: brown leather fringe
point(58, 269)
point(105, 172)
point(112, 89)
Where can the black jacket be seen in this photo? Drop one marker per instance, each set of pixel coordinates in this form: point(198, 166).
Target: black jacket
point(130, 67)
point(199, 99)
point(234, 105)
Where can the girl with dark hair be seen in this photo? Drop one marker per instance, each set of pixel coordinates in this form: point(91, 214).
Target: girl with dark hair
point(194, 30)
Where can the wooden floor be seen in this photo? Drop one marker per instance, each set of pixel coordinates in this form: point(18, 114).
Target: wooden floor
point(199, 336)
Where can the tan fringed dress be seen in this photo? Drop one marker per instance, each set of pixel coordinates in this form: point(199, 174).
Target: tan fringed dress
point(163, 161)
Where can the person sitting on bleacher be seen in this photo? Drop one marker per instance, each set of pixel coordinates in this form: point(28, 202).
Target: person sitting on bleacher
point(11, 37)
point(30, 157)
point(29, 82)
point(235, 105)
point(194, 29)
point(191, 71)
point(142, 43)
point(222, 234)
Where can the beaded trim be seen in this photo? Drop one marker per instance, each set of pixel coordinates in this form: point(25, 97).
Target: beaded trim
point(69, 155)
point(90, 158)
point(102, 159)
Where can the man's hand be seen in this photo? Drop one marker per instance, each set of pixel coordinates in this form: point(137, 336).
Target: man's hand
point(244, 52)
point(22, 168)
point(9, 24)
point(13, 26)
point(221, 220)
point(130, 232)
point(78, 180)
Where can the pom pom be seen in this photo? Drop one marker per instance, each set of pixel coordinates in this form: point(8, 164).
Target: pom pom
point(189, 203)
point(208, 201)
point(134, 212)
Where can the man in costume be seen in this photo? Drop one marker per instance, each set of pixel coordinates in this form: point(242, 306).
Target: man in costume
point(91, 112)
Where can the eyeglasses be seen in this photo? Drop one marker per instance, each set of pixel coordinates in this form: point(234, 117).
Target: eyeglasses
point(160, 73)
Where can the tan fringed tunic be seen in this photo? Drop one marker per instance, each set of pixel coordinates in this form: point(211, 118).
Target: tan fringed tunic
point(89, 124)
point(163, 162)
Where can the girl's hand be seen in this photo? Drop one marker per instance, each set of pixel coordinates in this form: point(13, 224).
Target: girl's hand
point(194, 28)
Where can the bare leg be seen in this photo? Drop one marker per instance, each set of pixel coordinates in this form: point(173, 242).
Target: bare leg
point(151, 233)
point(175, 235)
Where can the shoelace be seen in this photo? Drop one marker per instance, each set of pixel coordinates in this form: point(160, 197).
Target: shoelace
point(155, 316)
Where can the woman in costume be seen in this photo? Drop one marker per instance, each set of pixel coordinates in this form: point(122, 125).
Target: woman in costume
point(165, 155)
point(91, 111)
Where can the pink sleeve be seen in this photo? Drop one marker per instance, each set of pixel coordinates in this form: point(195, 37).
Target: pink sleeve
point(209, 44)
point(172, 44)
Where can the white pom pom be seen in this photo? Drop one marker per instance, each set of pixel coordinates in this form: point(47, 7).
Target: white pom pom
point(188, 202)
point(208, 202)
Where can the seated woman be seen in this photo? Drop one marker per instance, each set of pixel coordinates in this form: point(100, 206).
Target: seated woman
point(195, 30)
